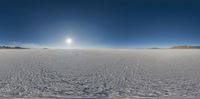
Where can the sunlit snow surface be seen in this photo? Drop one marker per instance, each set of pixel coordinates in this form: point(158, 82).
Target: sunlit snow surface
point(110, 74)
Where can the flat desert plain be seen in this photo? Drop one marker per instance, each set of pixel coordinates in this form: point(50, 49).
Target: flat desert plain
point(100, 73)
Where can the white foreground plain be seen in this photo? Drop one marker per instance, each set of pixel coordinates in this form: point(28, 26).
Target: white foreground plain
point(100, 73)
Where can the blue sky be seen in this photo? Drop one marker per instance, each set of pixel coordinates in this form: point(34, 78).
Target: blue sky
point(100, 23)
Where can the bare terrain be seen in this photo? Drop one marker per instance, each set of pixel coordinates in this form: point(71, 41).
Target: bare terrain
point(100, 73)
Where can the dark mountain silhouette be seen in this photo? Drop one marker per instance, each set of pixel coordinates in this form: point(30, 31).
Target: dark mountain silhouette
point(9, 47)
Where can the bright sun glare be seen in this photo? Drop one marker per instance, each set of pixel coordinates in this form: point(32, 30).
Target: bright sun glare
point(68, 41)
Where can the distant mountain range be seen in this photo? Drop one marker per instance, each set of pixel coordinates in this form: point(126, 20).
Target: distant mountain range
point(8, 47)
point(186, 47)
point(174, 47)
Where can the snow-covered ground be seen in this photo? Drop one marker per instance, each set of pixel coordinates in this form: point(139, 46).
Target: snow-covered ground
point(138, 73)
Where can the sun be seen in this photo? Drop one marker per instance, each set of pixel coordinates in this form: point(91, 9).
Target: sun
point(68, 41)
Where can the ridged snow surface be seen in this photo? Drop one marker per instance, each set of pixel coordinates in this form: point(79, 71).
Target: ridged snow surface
point(100, 73)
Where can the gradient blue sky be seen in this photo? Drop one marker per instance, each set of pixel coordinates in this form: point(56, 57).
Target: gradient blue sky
point(100, 23)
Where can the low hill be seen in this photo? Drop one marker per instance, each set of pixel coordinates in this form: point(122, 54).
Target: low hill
point(186, 47)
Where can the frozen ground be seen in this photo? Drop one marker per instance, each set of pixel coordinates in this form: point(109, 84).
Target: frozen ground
point(138, 73)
